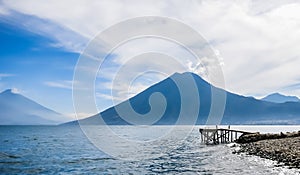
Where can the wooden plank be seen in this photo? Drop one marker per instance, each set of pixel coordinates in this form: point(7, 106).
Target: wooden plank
point(220, 135)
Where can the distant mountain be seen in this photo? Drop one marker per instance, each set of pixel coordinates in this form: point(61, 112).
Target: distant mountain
point(238, 109)
point(16, 109)
point(279, 98)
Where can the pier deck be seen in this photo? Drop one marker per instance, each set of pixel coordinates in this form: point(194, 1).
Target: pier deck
point(221, 135)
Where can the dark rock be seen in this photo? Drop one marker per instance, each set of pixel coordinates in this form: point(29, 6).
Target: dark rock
point(257, 137)
point(283, 148)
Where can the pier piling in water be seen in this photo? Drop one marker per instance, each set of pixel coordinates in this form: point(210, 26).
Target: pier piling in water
point(220, 135)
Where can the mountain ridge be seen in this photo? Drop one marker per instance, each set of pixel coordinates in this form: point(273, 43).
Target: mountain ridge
point(238, 109)
point(17, 109)
point(280, 98)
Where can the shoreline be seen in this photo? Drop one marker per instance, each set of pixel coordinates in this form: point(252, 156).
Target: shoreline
point(283, 148)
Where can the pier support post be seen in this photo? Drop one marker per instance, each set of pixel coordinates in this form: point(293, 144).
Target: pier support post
point(216, 136)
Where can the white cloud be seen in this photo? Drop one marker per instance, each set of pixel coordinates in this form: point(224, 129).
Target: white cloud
point(64, 36)
point(3, 11)
point(15, 90)
point(140, 63)
point(76, 116)
point(2, 75)
point(257, 7)
point(103, 96)
point(258, 41)
point(60, 84)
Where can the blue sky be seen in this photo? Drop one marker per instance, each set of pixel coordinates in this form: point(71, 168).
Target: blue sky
point(257, 43)
point(28, 62)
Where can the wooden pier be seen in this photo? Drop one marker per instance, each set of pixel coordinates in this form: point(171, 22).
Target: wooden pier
point(221, 135)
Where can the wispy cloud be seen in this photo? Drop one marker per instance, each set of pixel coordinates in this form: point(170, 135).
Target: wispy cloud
point(292, 86)
point(102, 96)
point(5, 75)
point(76, 116)
point(16, 90)
point(63, 36)
point(258, 40)
point(2, 75)
point(4, 11)
point(258, 7)
point(60, 84)
point(65, 84)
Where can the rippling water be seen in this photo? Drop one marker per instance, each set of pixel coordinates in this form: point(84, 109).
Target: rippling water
point(66, 150)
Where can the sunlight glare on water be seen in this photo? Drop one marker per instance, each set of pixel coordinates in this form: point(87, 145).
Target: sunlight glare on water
point(65, 149)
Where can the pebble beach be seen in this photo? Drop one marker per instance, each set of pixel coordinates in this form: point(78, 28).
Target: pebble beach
point(283, 148)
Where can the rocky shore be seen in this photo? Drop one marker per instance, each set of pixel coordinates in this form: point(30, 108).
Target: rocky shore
point(283, 148)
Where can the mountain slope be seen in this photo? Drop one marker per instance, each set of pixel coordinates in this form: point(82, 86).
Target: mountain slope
point(279, 98)
point(238, 109)
point(16, 109)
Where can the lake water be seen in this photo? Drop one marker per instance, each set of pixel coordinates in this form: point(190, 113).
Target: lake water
point(66, 150)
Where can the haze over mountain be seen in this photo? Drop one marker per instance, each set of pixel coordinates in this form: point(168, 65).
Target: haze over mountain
point(279, 98)
point(238, 109)
point(16, 109)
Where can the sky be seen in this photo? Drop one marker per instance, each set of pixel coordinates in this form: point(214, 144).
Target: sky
point(257, 43)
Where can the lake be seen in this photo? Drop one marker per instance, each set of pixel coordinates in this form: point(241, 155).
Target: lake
point(140, 150)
